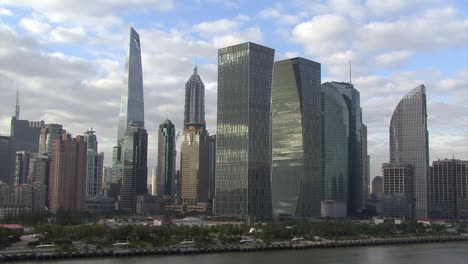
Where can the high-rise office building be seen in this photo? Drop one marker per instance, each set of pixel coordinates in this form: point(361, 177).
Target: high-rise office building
point(39, 169)
point(377, 188)
point(49, 133)
point(194, 100)
point(6, 195)
point(22, 166)
point(364, 165)
point(335, 160)
point(154, 179)
point(7, 160)
point(95, 165)
point(296, 138)
point(67, 183)
point(131, 104)
point(211, 166)
point(194, 165)
point(398, 190)
point(448, 193)
point(243, 167)
point(26, 134)
point(356, 201)
point(166, 159)
point(409, 143)
point(134, 167)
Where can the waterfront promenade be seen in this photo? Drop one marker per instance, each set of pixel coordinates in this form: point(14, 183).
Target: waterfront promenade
point(51, 254)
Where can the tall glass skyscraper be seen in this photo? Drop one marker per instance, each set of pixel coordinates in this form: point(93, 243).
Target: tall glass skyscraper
point(335, 167)
point(296, 138)
point(131, 104)
point(356, 198)
point(166, 159)
point(95, 165)
point(243, 167)
point(194, 100)
point(409, 143)
point(134, 167)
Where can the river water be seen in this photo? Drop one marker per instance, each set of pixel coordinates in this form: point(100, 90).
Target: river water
point(437, 253)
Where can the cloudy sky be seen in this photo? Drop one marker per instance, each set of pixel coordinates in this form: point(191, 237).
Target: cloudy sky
point(67, 57)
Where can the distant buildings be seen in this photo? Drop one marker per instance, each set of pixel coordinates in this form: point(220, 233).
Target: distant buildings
point(243, 169)
point(448, 193)
point(296, 138)
point(22, 164)
point(398, 196)
point(7, 160)
point(134, 167)
point(211, 167)
point(49, 133)
point(335, 160)
point(67, 183)
point(166, 160)
point(377, 188)
point(409, 145)
point(95, 165)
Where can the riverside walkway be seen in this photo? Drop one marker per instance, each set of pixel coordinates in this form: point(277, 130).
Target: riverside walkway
point(51, 254)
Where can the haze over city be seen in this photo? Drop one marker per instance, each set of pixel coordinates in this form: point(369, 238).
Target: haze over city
point(67, 59)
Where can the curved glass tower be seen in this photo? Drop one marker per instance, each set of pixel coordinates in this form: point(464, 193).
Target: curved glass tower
point(296, 137)
point(166, 159)
point(335, 168)
point(131, 104)
point(409, 143)
point(194, 100)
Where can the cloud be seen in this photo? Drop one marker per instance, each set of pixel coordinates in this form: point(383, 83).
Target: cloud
point(34, 26)
point(68, 35)
point(209, 28)
point(392, 58)
point(5, 12)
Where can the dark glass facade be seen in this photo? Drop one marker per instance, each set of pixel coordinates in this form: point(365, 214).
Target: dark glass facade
point(194, 100)
point(243, 166)
point(335, 167)
point(409, 143)
point(131, 101)
point(26, 134)
point(7, 160)
point(134, 167)
point(296, 138)
point(166, 159)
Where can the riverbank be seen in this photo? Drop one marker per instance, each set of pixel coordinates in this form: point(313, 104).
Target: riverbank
point(51, 255)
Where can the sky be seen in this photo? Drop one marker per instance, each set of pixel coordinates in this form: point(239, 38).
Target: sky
point(67, 59)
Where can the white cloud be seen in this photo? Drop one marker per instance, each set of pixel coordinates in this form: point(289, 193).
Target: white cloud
point(68, 35)
point(252, 34)
point(34, 26)
point(392, 58)
point(5, 12)
point(209, 28)
point(324, 33)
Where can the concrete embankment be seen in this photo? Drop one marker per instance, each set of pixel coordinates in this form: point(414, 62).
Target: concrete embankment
point(50, 255)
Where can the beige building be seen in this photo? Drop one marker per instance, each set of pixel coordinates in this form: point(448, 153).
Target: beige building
point(194, 165)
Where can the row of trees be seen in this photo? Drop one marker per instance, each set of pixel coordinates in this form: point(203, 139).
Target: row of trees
point(165, 235)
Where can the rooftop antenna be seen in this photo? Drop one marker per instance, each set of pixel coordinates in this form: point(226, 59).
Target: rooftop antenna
point(17, 107)
point(350, 72)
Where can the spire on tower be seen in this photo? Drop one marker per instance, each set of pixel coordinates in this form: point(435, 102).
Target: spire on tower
point(17, 107)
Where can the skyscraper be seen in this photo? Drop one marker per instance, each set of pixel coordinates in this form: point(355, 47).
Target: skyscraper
point(134, 167)
point(377, 188)
point(22, 167)
point(7, 160)
point(67, 186)
point(243, 167)
point(131, 104)
point(335, 160)
point(194, 165)
point(166, 159)
point(212, 167)
point(398, 190)
point(26, 134)
point(49, 133)
point(95, 164)
point(195, 145)
point(194, 100)
point(356, 198)
point(448, 193)
point(364, 165)
point(296, 138)
point(409, 143)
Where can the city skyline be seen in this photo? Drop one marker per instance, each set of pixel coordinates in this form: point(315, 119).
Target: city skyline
point(77, 84)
